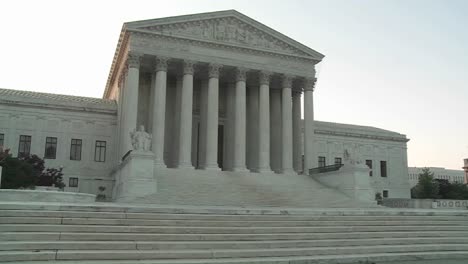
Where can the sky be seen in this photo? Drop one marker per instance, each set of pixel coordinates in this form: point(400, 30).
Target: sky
point(400, 65)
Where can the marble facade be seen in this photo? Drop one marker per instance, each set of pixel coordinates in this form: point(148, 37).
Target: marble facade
point(221, 95)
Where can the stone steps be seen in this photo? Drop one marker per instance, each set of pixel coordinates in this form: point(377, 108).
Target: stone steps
point(207, 245)
point(100, 233)
point(225, 223)
point(6, 256)
point(83, 236)
point(219, 230)
point(328, 216)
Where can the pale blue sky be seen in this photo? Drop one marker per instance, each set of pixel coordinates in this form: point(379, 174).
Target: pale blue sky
point(398, 65)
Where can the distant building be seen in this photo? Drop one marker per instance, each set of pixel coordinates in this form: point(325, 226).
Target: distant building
point(453, 176)
point(465, 167)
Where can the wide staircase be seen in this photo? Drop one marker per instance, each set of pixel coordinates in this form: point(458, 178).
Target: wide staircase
point(124, 234)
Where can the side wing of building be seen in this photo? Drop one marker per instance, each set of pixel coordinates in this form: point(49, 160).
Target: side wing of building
point(74, 132)
point(385, 151)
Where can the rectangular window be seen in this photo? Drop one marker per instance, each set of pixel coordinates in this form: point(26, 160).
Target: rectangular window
point(100, 151)
point(321, 161)
point(338, 161)
point(2, 139)
point(383, 168)
point(24, 145)
point(50, 148)
point(369, 164)
point(385, 194)
point(75, 149)
point(73, 182)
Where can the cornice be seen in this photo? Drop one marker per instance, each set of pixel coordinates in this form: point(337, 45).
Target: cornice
point(117, 60)
point(58, 107)
point(359, 135)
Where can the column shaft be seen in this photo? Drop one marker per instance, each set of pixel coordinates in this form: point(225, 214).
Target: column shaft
point(286, 116)
point(186, 104)
point(159, 111)
point(240, 121)
point(212, 116)
point(297, 133)
point(309, 156)
point(264, 123)
point(131, 102)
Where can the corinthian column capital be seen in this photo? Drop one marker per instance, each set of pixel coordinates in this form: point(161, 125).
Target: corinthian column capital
point(264, 77)
point(161, 63)
point(287, 81)
point(134, 59)
point(189, 67)
point(213, 70)
point(241, 74)
point(309, 84)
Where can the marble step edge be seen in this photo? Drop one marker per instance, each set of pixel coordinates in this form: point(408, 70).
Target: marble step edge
point(110, 236)
point(218, 230)
point(460, 257)
point(220, 217)
point(225, 210)
point(238, 223)
point(215, 254)
point(214, 245)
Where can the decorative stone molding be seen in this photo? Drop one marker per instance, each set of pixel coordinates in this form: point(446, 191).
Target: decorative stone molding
point(287, 81)
point(359, 135)
point(189, 67)
point(213, 70)
point(161, 63)
point(134, 59)
point(296, 93)
point(264, 77)
point(227, 30)
point(309, 84)
point(241, 74)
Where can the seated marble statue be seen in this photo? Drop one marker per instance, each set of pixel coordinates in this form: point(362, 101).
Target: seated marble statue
point(141, 140)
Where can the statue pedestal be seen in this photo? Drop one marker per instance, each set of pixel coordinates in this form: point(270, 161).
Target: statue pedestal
point(352, 180)
point(134, 177)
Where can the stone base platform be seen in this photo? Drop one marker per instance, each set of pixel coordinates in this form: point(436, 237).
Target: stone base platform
point(103, 233)
point(26, 196)
point(226, 188)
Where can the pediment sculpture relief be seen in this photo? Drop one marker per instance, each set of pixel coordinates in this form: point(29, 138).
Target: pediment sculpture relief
point(229, 30)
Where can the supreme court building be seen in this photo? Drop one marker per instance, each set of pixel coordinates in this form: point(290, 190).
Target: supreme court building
point(220, 93)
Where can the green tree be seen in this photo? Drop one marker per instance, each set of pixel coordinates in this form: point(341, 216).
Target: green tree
point(427, 187)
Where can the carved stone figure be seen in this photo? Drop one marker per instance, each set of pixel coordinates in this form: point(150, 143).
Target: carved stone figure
point(352, 159)
point(141, 140)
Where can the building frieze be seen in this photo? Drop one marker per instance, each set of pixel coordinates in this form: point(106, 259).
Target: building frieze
point(229, 46)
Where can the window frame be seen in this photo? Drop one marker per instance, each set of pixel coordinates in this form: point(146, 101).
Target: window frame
point(385, 194)
point(100, 145)
point(2, 140)
point(322, 159)
point(24, 146)
point(383, 169)
point(73, 182)
point(338, 159)
point(51, 142)
point(76, 149)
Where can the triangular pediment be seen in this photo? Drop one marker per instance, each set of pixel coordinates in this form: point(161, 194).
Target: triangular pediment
point(225, 27)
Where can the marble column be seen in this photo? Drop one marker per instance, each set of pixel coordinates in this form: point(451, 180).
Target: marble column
point(212, 116)
point(185, 125)
point(240, 121)
point(297, 133)
point(159, 110)
point(131, 101)
point(309, 155)
point(264, 123)
point(286, 128)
